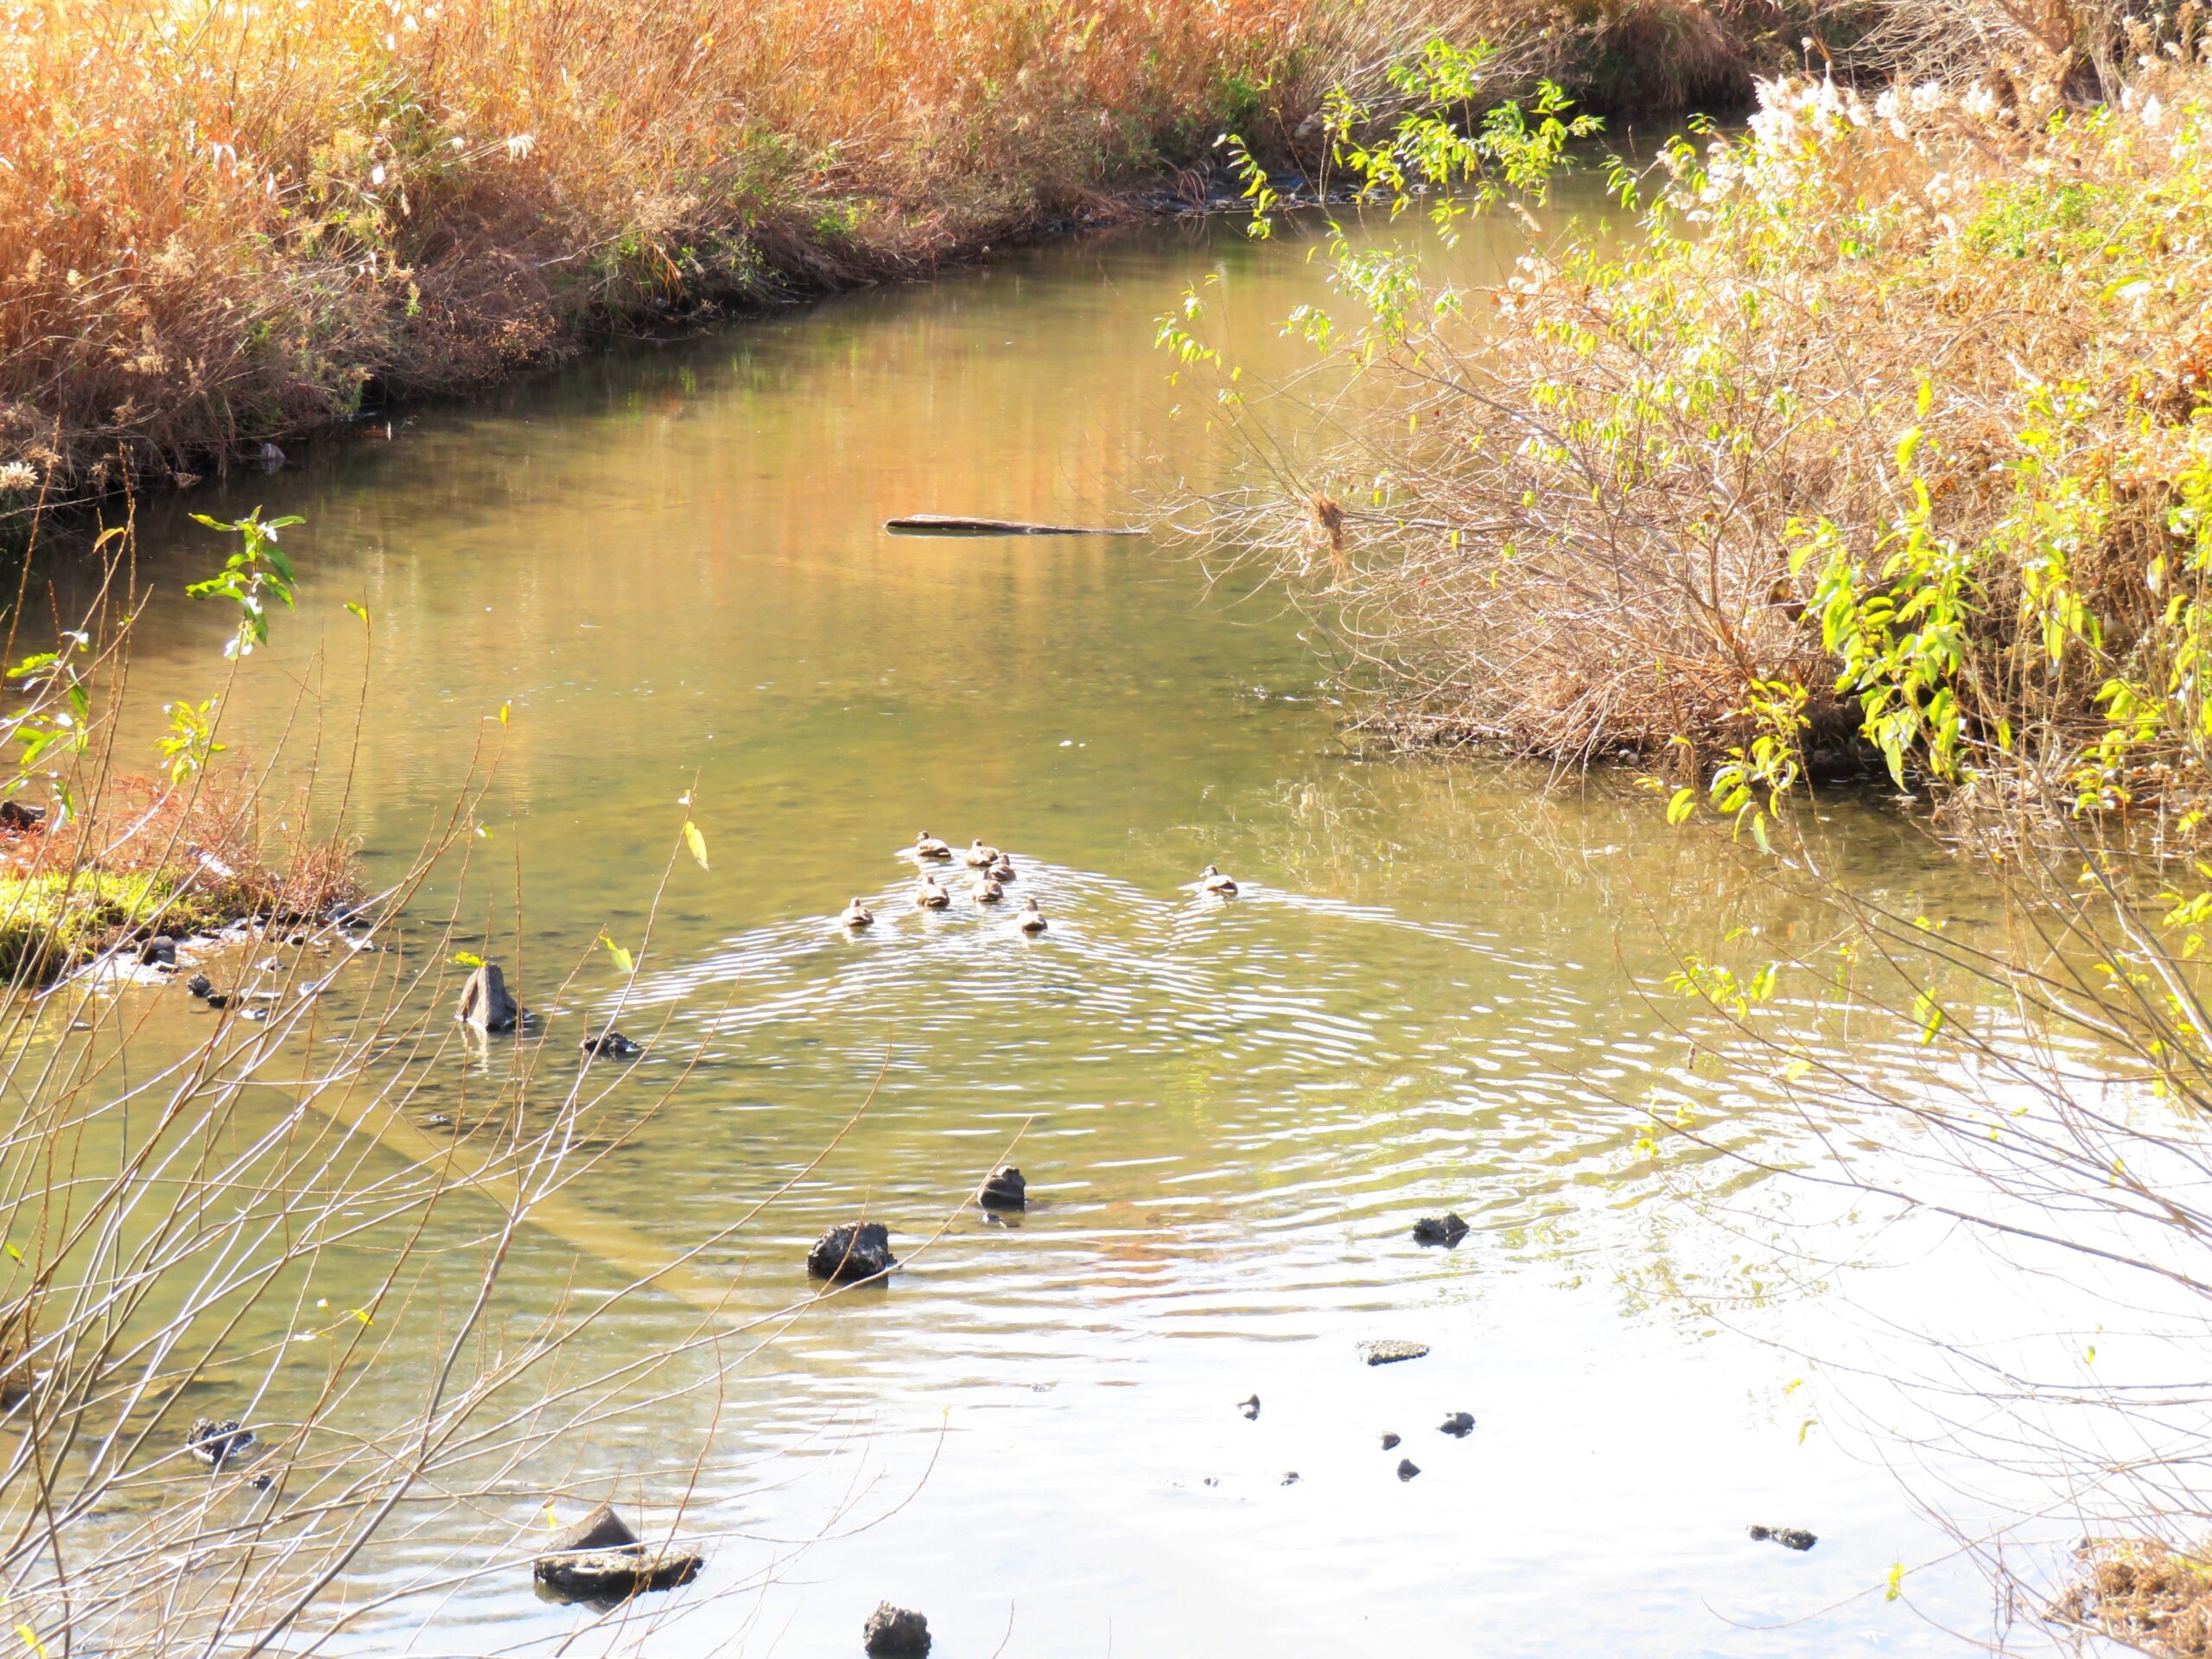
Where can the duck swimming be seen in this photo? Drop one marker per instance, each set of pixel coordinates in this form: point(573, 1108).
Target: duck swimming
point(928, 846)
point(988, 892)
point(930, 895)
point(1032, 919)
point(1214, 881)
point(857, 916)
point(981, 857)
point(1002, 871)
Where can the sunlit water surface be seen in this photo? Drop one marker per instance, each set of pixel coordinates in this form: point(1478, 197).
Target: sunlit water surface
point(667, 564)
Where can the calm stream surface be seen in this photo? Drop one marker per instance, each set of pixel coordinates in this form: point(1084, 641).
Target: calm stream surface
point(668, 562)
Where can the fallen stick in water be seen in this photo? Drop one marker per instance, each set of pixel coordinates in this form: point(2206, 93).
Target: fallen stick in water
point(937, 523)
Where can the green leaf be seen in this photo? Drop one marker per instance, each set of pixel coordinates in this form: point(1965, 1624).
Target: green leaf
point(1897, 1581)
point(360, 611)
point(503, 709)
point(1682, 805)
point(696, 843)
point(622, 959)
point(468, 959)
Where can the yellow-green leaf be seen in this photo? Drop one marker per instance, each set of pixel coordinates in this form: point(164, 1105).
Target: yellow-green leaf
point(468, 959)
point(696, 843)
point(622, 958)
point(1897, 1581)
point(1682, 805)
point(503, 708)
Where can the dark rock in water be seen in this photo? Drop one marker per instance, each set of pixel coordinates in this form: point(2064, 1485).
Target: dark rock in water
point(216, 999)
point(852, 1253)
point(895, 1633)
point(1788, 1537)
point(1290, 1479)
point(1003, 1189)
point(214, 1440)
point(611, 1044)
point(21, 815)
point(1447, 1230)
point(1389, 1351)
point(262, 1482)
point(158, 951)
point(199, 985)
point(601, 1530)
point(1250, 1409)
point(1388, 1440)
point(485, 1002)
point(616, 1575)
point(1458, 1425)
point(1407, 1469)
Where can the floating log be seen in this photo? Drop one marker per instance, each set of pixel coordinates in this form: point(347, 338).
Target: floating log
point(937, 523)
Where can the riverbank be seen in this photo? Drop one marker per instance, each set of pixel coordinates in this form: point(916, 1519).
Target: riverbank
point(153, 865)
point(217, 239)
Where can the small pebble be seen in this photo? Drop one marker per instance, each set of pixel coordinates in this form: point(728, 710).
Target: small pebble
point(1458, 1425)
point(1389, 1440)
point(1788, 1537)
point(1390, 1352)
point(1407, 1469)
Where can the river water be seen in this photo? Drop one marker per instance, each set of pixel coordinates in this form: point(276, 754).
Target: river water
point(1436, 991)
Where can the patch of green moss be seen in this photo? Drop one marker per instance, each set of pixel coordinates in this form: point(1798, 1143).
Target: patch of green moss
point(51, 922)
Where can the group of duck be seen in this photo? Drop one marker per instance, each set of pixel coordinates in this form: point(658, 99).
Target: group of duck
point(994, 872)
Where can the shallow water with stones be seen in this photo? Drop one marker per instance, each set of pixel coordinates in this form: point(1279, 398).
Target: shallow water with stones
point(1435, 991)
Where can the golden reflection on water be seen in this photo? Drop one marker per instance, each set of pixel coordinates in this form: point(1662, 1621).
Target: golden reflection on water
point(668, 562)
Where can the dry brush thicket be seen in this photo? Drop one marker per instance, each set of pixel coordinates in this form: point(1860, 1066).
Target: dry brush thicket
point(1896, 398)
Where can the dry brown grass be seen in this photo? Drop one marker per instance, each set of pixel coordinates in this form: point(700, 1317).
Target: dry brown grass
point(2138, 1592)
point(238, 222)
